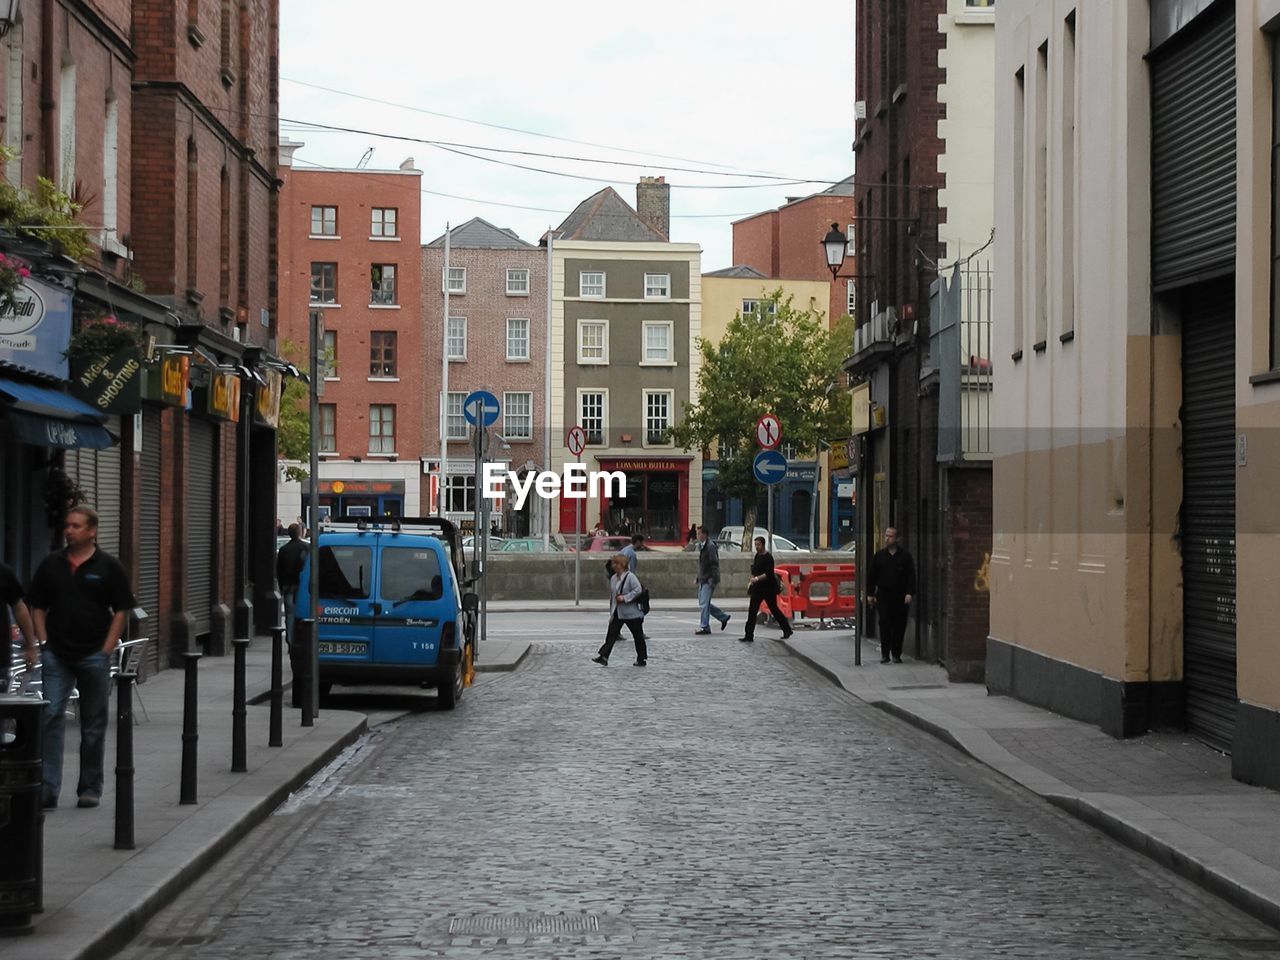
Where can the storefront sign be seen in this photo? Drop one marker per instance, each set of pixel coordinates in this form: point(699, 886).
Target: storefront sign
point(224, 395)
point(805, 474)
point(110, 384)
point(641, 466)
point(266, 404)
point(35, 330)
point(838, 458)
point(351, 488)
point(167, 381)
point(861, 417)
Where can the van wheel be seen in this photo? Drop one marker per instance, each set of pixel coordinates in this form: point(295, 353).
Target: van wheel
point(448, 694)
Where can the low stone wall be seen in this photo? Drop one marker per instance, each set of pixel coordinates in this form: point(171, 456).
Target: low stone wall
point(533, 576)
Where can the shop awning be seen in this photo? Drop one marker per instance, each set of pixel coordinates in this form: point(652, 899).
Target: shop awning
point(50, 418)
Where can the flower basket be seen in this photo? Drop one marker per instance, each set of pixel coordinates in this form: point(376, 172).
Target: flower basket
point(104, 337)
point(12, 272)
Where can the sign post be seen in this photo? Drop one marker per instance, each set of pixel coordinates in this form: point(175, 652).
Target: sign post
point(768, 436)
point(481, 409)
point(576, 441)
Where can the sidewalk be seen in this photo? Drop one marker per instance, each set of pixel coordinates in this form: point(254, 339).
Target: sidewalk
point(97, 898)
point(1165, 795)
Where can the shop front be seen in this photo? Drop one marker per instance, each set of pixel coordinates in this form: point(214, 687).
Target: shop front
point(360, 498)
point(655, 503)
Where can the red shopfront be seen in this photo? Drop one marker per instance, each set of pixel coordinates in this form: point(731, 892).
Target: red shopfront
point(656, 501)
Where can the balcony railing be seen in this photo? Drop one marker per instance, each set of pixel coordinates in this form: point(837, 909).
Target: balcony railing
point(960, 350)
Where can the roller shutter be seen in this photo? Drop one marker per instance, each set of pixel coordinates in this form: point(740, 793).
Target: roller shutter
point(1209, 516)
point(148, 591)
point(97, 474)
point(201, 467)
point(1193, 152)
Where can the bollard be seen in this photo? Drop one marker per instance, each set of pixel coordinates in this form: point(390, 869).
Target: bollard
point(187, 788)
point(22, 823)
point(308, 684)
point(275, 738)
point(124, 760)
point(239, 745)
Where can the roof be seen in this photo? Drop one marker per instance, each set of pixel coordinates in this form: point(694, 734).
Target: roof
point(480, 234)
point(606, 216)
point(738, 270)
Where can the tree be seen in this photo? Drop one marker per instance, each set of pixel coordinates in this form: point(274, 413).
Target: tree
point(293, 434)
point(786, 363)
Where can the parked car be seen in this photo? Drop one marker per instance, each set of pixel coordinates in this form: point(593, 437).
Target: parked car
point(468, 544)
point(850, 547)
point(529, 545)
point(607, 544)
point(729, 539)
point(392, 608)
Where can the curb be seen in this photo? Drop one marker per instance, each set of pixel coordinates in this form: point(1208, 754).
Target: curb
point(1184, 864)
point(129, 924)
point(506, 666)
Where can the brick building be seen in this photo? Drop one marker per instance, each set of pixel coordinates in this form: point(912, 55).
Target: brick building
point(349, 249)
point(921, 399)
point(496, 341)
point(158, 119)
point(787, 243)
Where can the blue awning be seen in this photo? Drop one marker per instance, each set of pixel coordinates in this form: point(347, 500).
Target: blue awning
point(50, 418)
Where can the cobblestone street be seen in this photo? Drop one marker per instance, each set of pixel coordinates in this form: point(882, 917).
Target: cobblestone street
point(723, 802)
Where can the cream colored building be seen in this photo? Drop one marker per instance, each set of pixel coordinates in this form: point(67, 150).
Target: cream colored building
point(1133, 572)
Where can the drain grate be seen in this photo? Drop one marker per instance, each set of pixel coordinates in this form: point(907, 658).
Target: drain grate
point(524, 924)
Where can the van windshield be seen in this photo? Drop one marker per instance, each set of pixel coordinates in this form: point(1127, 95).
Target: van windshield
point(344, 572)
point(411, 573)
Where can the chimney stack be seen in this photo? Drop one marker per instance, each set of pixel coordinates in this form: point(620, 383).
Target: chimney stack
point(653, 204)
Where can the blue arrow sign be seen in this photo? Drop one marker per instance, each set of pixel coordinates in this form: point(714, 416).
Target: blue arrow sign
point(481, 408)
point(769, 466)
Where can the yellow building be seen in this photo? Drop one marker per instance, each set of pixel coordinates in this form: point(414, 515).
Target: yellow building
point(742, 289)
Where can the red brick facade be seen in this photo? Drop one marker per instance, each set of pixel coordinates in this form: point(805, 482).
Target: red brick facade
point(354, 317)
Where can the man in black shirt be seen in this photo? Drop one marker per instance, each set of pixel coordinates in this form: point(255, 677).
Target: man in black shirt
point(11, 596)
point(81, 602)
point(289, 563)
point(763, 588)
point(891, 586)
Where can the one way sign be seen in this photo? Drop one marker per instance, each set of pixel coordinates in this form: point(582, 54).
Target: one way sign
point(769, 466)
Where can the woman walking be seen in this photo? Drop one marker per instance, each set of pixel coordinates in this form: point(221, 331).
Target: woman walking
point(624, 588)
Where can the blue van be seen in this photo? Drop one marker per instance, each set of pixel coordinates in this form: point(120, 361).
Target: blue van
point(392, 608)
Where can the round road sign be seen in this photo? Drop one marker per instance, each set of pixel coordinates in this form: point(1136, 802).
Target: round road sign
point(576, 440)
point(768, 432)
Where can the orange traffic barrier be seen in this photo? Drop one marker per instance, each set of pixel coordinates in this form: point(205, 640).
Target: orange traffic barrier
point(824, 591)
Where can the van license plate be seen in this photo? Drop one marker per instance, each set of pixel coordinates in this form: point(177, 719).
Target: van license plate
point(350, 648)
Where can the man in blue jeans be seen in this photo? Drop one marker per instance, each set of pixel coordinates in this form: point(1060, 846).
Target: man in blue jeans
point(708, 579)
point(80, 601)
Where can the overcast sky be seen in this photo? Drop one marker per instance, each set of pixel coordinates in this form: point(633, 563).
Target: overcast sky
point(709, 86)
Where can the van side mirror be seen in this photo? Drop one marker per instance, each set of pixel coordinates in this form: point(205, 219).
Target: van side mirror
point(470, 602)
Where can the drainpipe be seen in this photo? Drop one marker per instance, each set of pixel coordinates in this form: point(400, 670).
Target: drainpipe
point(48, 120)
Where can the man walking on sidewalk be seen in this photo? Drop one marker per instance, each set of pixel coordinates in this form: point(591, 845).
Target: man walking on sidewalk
point(763, 588)
point(707, 580)
point(80, 600)
point(891, 586)
point(289, 563)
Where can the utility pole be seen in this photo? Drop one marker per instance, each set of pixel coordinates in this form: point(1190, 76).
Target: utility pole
point(313, 508)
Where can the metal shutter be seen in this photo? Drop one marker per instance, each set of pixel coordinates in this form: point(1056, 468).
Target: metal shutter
point(97, 474)
point(199, 528)
point(149, 536)
point(1209, 516)
point(1193, 153)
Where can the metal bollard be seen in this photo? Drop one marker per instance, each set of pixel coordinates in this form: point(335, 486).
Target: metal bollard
point(22, 827)
point(187, 788)
point(239, 735)
point(308, 686)
point(124, 760)
point(275, 738)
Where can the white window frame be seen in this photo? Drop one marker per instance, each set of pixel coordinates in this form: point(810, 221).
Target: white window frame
point(851, 297)
point(380, 291)
point(644, 413)
point(851, 243)
point(334, 301)
point(378, 225)
point(67, 128)
point(602, 360)
point(322, 234)
point(670, 359)
point(457, 281)
point(329, 408)
point(753, 310)
point(452, 420)
point(111, 172)
point(513, 275)
point(518, 357)
point(13, 117)
point(450, 338)
point(657, 286)
point(380, 436)
point(510, 420)
point(583, 285)
point(329, 358)
point(464, 484)
point(604, 414)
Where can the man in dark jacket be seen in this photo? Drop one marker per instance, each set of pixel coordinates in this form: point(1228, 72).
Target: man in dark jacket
point(763, 588)
point(289, 563)
point(891, 586)
point(707, 580)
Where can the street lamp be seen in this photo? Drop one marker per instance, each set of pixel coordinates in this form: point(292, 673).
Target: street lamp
point(8, 15)
point(836, 245)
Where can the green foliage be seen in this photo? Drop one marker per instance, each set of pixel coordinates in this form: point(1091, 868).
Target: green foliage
point(48, 214)
point(102, 337)
point(293, 435)
point(785, 365)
